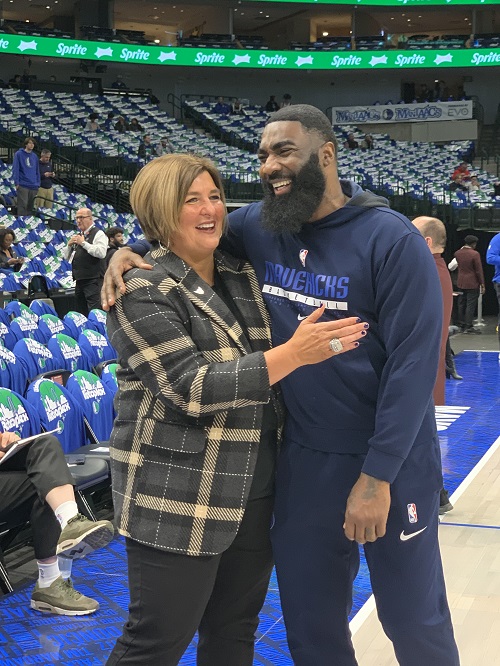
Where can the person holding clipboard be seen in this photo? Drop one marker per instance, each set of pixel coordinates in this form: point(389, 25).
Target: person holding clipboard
point(36, 485)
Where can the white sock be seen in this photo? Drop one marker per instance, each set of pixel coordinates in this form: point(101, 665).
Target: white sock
point(47, 573)
point(65, 565)
point(65, 512)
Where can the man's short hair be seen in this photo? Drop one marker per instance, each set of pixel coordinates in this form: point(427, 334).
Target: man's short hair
point(45, 151)
point(112, 231)
point(311, 119)
point(471, 240)
point(434, 229)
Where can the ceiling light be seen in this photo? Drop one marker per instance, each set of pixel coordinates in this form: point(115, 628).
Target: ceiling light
point(325, 34)
point(157, 41)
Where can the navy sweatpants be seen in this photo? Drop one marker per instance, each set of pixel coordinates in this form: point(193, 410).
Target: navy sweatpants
point(316, 564)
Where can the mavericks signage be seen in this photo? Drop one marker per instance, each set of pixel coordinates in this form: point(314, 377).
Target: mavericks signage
point(401, 113)
point(171, 56)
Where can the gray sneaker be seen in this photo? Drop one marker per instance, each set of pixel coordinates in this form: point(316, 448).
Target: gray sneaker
point(61, 598)
point(82, 536)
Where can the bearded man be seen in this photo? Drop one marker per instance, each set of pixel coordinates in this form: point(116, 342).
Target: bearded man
point(360, 463)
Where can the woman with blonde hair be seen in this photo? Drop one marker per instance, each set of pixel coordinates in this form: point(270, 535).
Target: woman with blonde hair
point(199, 418)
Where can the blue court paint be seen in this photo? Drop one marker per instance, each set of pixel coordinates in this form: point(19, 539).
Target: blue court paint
point(27, 637)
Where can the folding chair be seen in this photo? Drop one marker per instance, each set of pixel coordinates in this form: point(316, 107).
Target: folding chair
point(49, 325)
point(97, 318)
point(56, 408)
point(13, 374)
point(97, 347)
point(34, 357)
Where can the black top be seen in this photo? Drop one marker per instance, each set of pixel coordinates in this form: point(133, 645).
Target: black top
point(263, 477)
point(45, 181)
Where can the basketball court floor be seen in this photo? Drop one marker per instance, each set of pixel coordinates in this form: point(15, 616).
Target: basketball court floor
point(469, 430)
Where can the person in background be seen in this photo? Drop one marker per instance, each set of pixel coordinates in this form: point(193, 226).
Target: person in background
point(121, 125)
point(26, 174)
point(271, 105)
point(109, 122)
point(9, 259)
point(164, 147)
point(367, 143)
point(286, 101)
point(86, 251)
point(115, 241)
point(193, 470)
point(45, 195)
point(237, 108)
point(434, 232)
point(350, 143)
point(135, 126)
point(146, 149)
point(493, 258)
point(119, 83)
point(92, 125)
point(221, 107)
point(460, 176)
point(470, 281)
point(36, 485)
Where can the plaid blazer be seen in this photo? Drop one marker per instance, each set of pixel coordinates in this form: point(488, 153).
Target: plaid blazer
point(192, 386)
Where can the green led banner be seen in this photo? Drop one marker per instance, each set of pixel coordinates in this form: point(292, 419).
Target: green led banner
point(241, 59)
point(391, 3)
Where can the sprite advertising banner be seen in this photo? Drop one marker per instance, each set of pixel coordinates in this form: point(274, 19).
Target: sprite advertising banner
point(50, 47)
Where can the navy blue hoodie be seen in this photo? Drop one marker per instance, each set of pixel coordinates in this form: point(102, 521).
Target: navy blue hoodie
point(363, 260)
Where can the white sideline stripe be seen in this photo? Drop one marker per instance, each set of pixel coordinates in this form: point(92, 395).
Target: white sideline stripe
point(369, 606)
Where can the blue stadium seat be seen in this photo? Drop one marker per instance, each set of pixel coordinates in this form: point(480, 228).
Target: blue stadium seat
point(96, 347)
point(22, 327)
point(50, 325)
point(41, 307)
point(67, 352)
point(96, 401)
point(34, 357)
point(13, 374)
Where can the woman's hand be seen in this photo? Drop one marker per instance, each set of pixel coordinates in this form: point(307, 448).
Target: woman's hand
point(313, 342)
point(6, 439)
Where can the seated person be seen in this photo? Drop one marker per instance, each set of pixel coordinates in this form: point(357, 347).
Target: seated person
point(108, 123)
point(121, 125)
point(9, 259)
point(135, 126)
point(165, 147)
point(221, 107)
point(119, 83)
point(237, 108)
point(473, 185)
point(92, 125)
point(146, 148)
point(272, 105)
point(367, 143)
point(460, 174)
point(350, 143)
point(36, 485)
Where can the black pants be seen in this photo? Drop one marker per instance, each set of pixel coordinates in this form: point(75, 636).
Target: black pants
point(172, 596)
point(467, 303)
point(25, 480)
point(88, 295)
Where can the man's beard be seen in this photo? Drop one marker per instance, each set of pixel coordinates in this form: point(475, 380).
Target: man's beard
point(289, 212)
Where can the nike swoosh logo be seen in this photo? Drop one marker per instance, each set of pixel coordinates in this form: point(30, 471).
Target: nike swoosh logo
point(301, 317)
point(406, 537)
